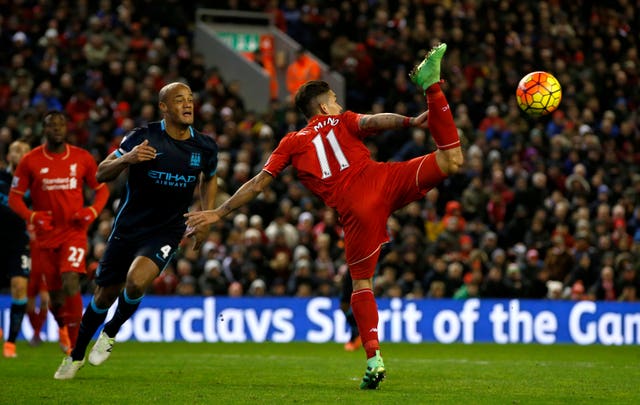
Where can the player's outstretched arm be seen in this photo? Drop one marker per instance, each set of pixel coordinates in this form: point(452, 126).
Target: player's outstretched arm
point(247, 192)
point(208, 192)
point(385, 121)
point(111, 167)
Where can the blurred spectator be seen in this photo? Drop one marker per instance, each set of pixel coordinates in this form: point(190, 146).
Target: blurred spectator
point(235, 290)
point(437, 289)
point(559, 260)
point(45, 96)
point(516, 283)
point(554, 289)
point(301, 69)
point(604, 289)
point(257, 288)
point(494, 285)
point(212, 282)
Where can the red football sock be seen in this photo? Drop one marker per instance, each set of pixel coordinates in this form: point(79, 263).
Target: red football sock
point(72, 312)
point(37, 318)
point(365, 310)
point(441, 125)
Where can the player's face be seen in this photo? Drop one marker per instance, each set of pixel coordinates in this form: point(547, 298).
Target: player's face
point(55, 129)
point(179, 106)
point(331, 104)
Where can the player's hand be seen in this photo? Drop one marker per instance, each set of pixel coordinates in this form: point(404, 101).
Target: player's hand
point(42, 220)
point(84, 217)
point(141, 153)
point(198, 234)
point(200, 218)
point(421, 121)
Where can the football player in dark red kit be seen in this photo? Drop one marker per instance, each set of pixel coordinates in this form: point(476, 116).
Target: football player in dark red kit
point(55, 174)
point(332, 161)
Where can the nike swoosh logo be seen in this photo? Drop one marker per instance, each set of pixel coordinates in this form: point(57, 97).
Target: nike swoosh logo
point(159, 153)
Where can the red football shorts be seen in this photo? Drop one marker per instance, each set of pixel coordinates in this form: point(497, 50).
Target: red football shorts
point(372, 196)
point(70, 256)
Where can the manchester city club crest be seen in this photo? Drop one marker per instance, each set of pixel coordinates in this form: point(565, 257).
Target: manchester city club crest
point(195, 160)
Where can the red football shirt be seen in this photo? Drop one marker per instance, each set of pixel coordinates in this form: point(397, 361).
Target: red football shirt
point(327, 153)
point(333, 163)
point(56, 182)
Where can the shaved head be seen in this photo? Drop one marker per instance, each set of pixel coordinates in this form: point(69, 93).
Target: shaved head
point(166, 90)
point(176, 105)
point(17, 149)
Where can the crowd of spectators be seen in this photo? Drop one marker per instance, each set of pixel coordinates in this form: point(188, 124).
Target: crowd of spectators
point(543, 208)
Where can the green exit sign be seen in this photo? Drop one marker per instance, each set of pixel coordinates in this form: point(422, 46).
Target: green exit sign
point(240, 42)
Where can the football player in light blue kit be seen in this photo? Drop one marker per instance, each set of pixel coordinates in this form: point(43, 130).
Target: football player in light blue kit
point(165, 162)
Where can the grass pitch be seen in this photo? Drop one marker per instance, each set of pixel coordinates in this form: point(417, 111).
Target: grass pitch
point(295, 373)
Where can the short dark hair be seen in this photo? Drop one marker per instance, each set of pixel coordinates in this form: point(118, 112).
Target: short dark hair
point(52, 113)
point(307, 93)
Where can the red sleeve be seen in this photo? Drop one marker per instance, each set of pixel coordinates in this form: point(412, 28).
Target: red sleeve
point(100, 199)
point(90, 171)
point(102, 191)
point(281, 157)
point(352, 121)
point(19, 186)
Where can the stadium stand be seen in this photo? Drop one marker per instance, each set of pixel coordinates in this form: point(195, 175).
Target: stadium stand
point(545, 208)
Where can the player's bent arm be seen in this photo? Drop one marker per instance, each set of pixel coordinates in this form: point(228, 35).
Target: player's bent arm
point(18, 205)
point(111, 167)
point(385, 121)
point(247, 192)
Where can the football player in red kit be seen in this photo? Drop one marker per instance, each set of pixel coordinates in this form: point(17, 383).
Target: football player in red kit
point(332, 161)
point(55, 174)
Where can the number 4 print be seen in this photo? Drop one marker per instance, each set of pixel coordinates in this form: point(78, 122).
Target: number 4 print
point(322, 154)
point(166, 249)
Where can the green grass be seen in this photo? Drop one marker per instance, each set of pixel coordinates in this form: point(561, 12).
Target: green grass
point(296, 373)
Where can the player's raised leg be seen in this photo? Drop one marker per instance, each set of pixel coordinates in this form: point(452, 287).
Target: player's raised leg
point(427, 72)
point(449, 156)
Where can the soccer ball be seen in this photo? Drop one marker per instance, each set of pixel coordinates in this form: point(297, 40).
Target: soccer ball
point(538, 93)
